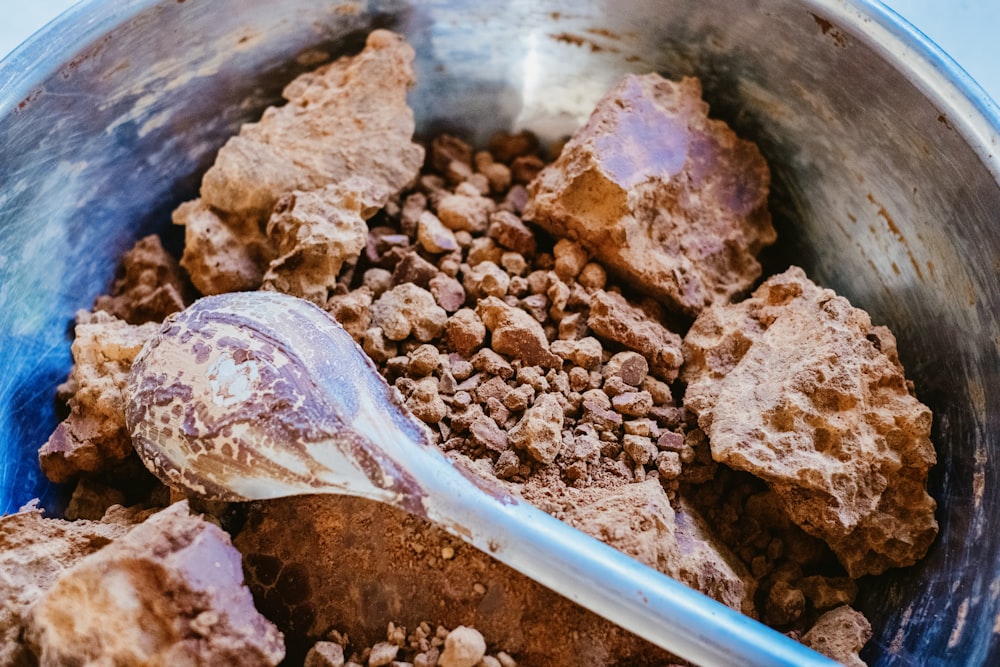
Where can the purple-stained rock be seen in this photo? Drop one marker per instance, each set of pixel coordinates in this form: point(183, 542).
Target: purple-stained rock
point(666, 198)
point(797, 387)
point(169, 592)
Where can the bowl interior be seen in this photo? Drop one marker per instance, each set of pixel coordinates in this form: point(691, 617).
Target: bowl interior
point(883, 191)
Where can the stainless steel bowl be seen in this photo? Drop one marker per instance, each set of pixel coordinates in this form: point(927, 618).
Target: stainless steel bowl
point(884, 155)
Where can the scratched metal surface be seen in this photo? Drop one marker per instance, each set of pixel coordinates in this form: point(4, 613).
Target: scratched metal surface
point(884, 159)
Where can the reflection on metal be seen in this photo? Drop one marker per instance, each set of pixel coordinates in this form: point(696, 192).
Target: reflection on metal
point(110, 115)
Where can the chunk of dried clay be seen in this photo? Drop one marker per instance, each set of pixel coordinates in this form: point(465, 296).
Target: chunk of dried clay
point(516, 333)
point(149, 285)
point(348, 118)
point(639, 520)
point(93, 436)
point(433, 236)
point(539, 432)
point(797, 387)
point(407, 310)
point(169, 592)
point(840, 634)
point(315, 233)
point(615, 319)
point(222, 253)
point(34, 551)
point(669, 200)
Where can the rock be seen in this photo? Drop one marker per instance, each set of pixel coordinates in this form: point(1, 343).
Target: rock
point(314, 234)
point(425, 403)
point(222, 253)
point(463, 647)
point(94, 436)
point(465, 332)
point(516, 333)
point(667, 199)
point(615, 319)
point(413, 268)
point(585, 352)
point(631, 367)
point(539, 432)
point(800, 389)
point(325, 654)
point(509, 231)
point(448, 292)
point(570, 259)
point(353, 311)
point(408, 310)
point(382, 654)
point(169, 592)
point(486, 279)
point(433, 236)
point(348, 118)
point(466, 212)
point(840, 634)
point(639, 520)
point(34, 552)
point(343, 120)
point(149, 286)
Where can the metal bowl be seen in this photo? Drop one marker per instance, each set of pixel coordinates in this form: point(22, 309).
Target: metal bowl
point(884, 158)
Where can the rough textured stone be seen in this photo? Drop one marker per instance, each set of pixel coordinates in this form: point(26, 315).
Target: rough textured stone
point(343, 120)
point(671, 201)
point(149, 285)
point(407, 310)
point(840, 634)
point(348, 118)
point(433, 236)
point(34, 551)
point(800, 389)
point(93, 436)
point(615, 319)
point(222, 253)
point(169, 592)
point(325, 654)
point(540, 430)
point(315, 233)
point(516, 334)
point(463, 647)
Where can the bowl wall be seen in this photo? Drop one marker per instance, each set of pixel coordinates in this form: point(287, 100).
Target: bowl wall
point(882, 151)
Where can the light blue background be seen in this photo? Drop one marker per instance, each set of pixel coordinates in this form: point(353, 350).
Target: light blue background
point(965, 29)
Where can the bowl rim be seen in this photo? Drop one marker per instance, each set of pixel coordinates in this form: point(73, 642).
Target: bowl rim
point(965, 105)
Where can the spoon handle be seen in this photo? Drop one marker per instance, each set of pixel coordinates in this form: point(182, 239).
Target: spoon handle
point(602, 579)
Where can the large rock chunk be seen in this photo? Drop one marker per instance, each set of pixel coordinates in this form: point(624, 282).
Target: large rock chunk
point(170, 592)
point(348, 118)
point(34, 551)
point(671, 201)
point(94, 436)
point(315, 233)
point(343, 120)
point(800, 389)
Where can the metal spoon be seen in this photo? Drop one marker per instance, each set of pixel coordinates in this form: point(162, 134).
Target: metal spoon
point(260, 395)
